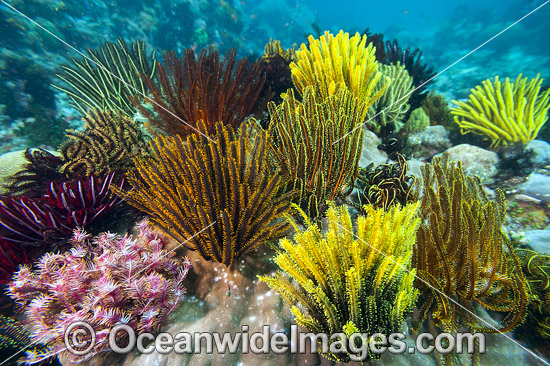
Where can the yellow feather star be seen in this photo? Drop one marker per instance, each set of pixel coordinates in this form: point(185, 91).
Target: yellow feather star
point(504, 112)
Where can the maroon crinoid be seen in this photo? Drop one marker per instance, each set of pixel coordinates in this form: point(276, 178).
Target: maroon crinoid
point(53, 216)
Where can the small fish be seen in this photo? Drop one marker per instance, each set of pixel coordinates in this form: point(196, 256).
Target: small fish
point(228, 292)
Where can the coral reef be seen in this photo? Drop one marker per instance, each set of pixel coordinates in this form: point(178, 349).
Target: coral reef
point(316, 145)
point(333, 62)
point(109, 78)
point(218, 183)
point(384, 186)
point(462, 253)
point(339, 282)
point(504, 112)
point(103, 281)
point(213, 196)
point(204, 90)
point(392, 106)
point(52, 217)
point(108, 143)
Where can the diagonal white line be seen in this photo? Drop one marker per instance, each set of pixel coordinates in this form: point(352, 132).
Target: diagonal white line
point(179, 245)
point(170, 251)
point(104, 69)
point(444, 295)
point(445, 69)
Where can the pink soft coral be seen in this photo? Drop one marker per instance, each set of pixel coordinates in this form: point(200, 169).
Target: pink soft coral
point(103, 281)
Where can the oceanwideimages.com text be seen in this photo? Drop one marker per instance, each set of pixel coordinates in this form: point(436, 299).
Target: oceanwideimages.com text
point(80, 339)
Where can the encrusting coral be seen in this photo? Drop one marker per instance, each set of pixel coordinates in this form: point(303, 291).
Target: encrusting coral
point(214, 196)
point(341, 282)
point(316, 145)
point(204, 90)
point(109, 143)
point(103, 281)
point(509, 112)
point(392, 106)
point(462, 256)
point(111, 79)
point(332, 63)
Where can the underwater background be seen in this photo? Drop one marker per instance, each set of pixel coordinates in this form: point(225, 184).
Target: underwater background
point(201, 165)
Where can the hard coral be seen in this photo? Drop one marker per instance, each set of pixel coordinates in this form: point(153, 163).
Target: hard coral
point(213, 196)
point(342, 282)
point(204, 90)
point(504, 112)
point(103, 281)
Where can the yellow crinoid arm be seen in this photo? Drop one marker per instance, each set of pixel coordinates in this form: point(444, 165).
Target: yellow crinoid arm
point(504, 111)
point(331, 63)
